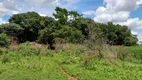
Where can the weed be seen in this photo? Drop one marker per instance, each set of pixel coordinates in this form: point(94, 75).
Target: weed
point(5, 59)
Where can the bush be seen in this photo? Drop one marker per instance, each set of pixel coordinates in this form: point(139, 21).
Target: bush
point(131, 41)
point(121, 52)
point(4, 41)
point(11, 29)
point(5, 59)
point(71, 34)
point(71, 60)
point(95, 41)
point(27, 50)
point(3, 51)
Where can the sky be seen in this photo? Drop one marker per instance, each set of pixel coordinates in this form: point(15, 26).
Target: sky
point(123, 12)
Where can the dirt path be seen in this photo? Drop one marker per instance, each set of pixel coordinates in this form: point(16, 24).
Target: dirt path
point(70, 77)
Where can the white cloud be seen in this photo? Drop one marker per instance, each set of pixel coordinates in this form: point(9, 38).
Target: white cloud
point(91, 12)
point(43, 7)
point(42, 14)
point(134, 33)
point(7, 7)
point(134, 23)
point(46, 7)
point(139, 36)
point(40, 2)
point(104, 16)
point(46, 2)
point(122, 5)
point(53, 2)
point(10, 4)
point(118, 12)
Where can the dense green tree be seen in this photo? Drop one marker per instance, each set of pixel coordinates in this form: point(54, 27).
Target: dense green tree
point(49, 33)
point(61, 15)
point(68, 25)
point(131, 41)
point(122, 33)
point(54, 30)
point(71, 18)
point(46, 36)
point(71, 34)
point(11, 29)
point(116, 34)
point(31, 24)
point(74, 19)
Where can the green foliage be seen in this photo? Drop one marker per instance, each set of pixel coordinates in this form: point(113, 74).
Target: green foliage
point(47, 34)
point(30, 62)
point(61, 15)
point(84, 67)
point(3, 51)
point(5, 59)
point(71, 34)
point(122, 53)
point(55, 30)
point(68, 25)
point(131, 41)
point(30, 22)
point(4, 41)
point(117, 34)
point(31, 68)
point(70, 22)
point(27, 50)
point(106, 70)
point(95, 40)
point(11, 29)
point(44, 36)
point(135, 52)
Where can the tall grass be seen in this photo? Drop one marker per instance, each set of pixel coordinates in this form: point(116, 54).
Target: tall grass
point(28, 62)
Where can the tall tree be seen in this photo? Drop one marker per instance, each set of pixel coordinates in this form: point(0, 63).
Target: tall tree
point(117, 34)
point(50, 31)
point(30, 21)
point(61, 15)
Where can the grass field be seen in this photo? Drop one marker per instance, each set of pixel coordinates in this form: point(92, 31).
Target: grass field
point(136, 51)
point(17, 65)
point(31, 68)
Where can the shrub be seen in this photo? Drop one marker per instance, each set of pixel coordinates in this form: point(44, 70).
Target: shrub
point(71, 60)
point(5, 59)
point(71, 34)
point(131, 41)
point(4, 41)
point(27, 50)
point(11, 29)
point(3, 51)
point(122, 54)
point(95, 41)
point(87, 61)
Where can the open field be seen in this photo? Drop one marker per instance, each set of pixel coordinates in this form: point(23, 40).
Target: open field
point(65, 65)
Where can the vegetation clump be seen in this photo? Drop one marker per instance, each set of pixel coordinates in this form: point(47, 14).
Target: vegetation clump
point(4, 41)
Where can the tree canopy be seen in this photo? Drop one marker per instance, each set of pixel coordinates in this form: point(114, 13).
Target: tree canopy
point(11, 29)
point(68, 25)
point(117, 34)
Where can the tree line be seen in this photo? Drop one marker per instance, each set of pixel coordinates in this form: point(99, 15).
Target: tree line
point(69, 26)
